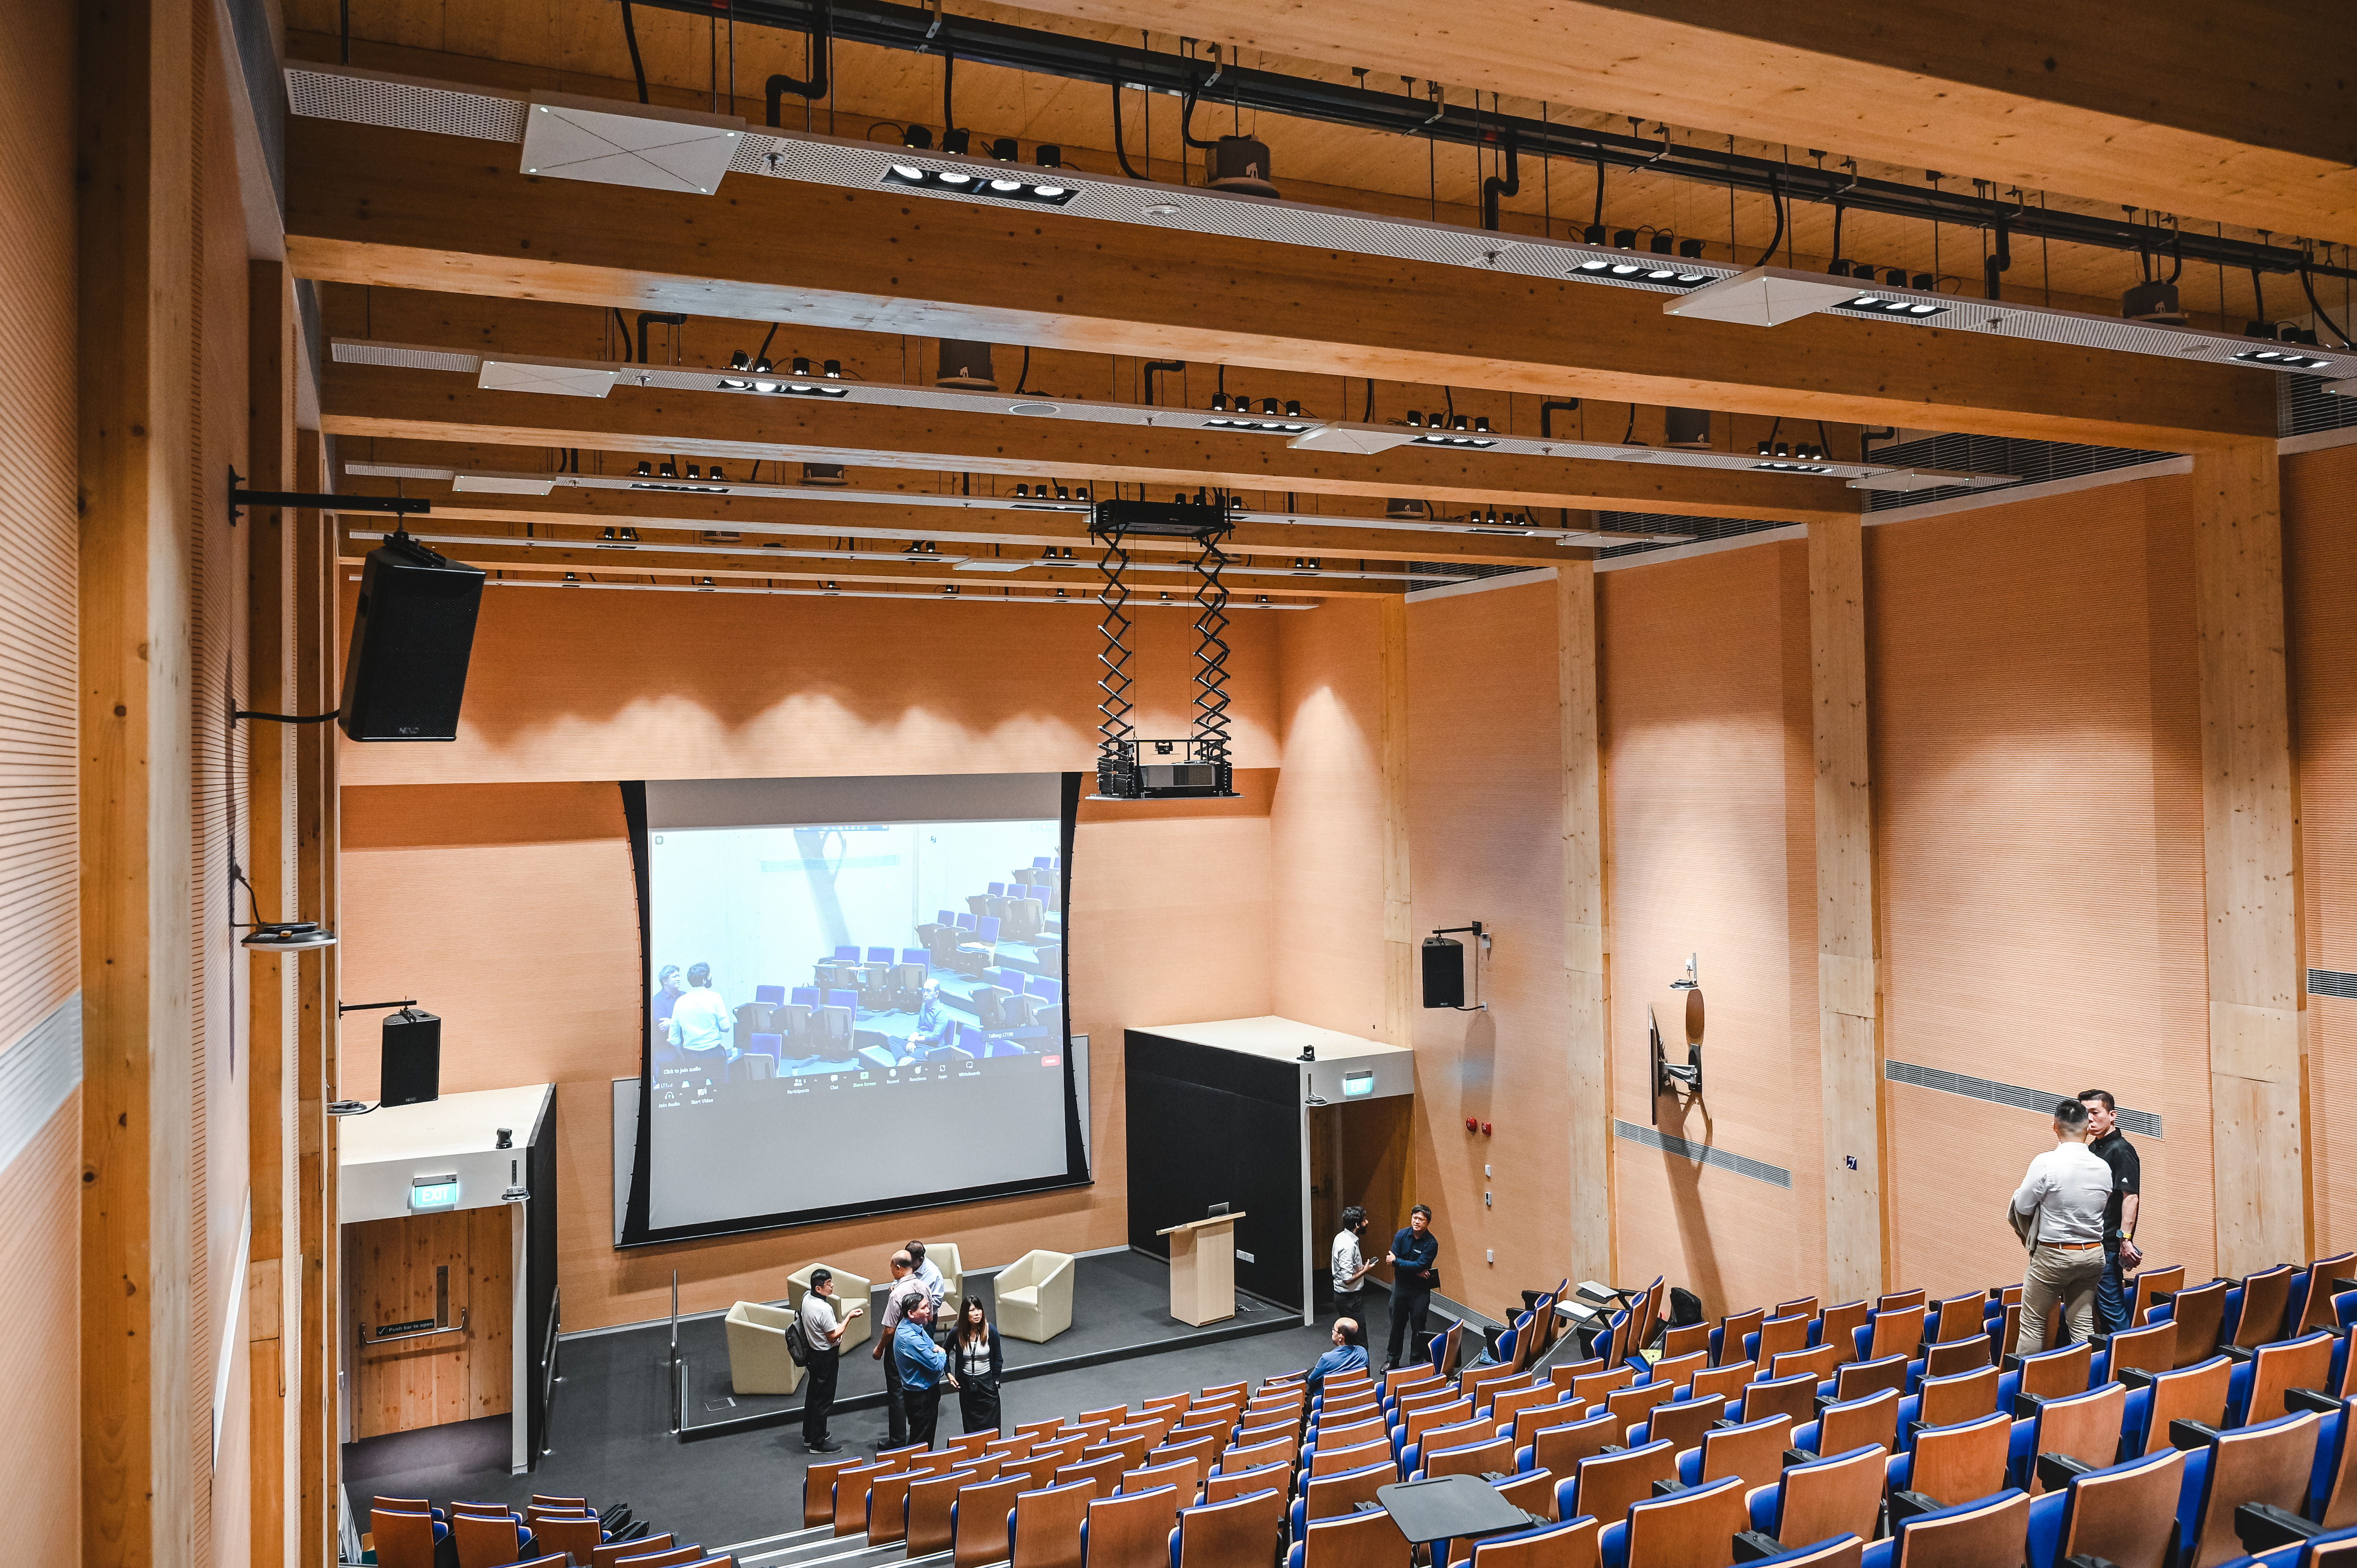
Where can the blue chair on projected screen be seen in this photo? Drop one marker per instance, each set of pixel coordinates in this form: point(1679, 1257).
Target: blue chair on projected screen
point(835, 1024)
point(798, 1019)
point(764, 1054)
point(770, 995)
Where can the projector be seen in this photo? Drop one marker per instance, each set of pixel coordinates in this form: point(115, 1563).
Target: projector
point(1161, 770)
point(1179, 519)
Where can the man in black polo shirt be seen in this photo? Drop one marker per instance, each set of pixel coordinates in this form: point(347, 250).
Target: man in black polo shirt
point(2113, 1294)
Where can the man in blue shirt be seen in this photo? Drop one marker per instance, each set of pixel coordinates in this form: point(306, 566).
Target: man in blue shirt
point(1413, 1252)
point(924, 1367)
point(1349, 1355)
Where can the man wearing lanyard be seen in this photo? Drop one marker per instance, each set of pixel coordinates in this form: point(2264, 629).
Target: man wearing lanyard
point(2114, 1293)
point(1413, 1252)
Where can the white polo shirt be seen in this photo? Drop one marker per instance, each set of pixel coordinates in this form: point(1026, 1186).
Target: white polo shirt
point(2067, 1188)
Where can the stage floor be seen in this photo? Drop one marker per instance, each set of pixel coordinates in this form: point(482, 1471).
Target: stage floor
point(1121, 1308)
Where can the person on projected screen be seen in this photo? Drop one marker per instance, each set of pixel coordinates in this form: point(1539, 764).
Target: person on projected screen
point(701, 1023)
point(934, 1025)
point(1414, 1251)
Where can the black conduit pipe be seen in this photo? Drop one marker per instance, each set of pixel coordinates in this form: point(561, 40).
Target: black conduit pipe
point(822, 36)
point(1493, 187)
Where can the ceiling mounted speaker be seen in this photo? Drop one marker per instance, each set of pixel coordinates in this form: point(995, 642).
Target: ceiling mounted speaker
point(1688, 428)
point(824, 474)
point(2153, 301)
point(967, 364)
point(1239, 166)
point(1408, 509)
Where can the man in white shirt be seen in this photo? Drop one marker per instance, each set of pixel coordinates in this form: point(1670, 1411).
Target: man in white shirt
point(701, 1023)
point(905, 1288)
point(1349, 1267)
point(928, 1274)
point(2060, 1211)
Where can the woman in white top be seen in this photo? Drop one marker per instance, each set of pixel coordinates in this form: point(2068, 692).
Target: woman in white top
point(977, 1359)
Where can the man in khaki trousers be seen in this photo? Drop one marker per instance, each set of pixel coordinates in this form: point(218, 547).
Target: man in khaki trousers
point(2059, 1213)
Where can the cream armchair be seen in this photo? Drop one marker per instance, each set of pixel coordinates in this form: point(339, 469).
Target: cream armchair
point(1034, 1296)
point(757, 1361)
point(944, 1255)
point(850, 1290)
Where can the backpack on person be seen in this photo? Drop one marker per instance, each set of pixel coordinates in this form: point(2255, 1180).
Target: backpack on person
point(798, 1345)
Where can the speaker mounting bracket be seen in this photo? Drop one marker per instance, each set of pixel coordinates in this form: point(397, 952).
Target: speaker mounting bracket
point(239, 498)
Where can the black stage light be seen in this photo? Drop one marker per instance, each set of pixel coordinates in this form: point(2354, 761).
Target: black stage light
point(1004, 150)
point(917, 137)
point(1690, 249)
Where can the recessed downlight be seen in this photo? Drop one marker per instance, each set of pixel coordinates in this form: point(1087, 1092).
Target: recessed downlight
point(1906, 309)
point(2283, 359)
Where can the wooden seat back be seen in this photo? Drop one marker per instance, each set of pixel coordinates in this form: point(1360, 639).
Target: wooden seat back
point(1838, 1496)
point(574, 1536)
point(1577, 1544)
point(1455, 1413)
point(2057, 1374)
point(610, 1553)
point(1352, 1435)
point(1048, 1525)
point(1859, 1379)
point(1838, 1328)
point(1533, 1491)
point(1471, 1458)
point(1779, 1335)
point(1531, 1421)
point(982, 1510)
point(928, 1501)
point(1221, 1485)
point(1475, 1383)
point(1731, 1330)
point(1956, 1355)
point(404, 1537)
point(1240, 1534)
point(1873, 1420)
point(1132, 1530)
point(2128, 1518)
point(1728, 1378)
point(818, 1489)
point(1630, 1405)
point(1945, 1401)
point(2316, 1305)
point(2200, 1316)
point(1359, 1541)
point(1802, 1306)
point(1334, 1461)
point(2085, 1426)
point(1995, 1532)
point(1958, 1315)
point(1818, 1363)
point(850, 1513)
point(2267, 1463)
point(888, 1506)
point(1753, 1452)
point(1686, 1339)
point(669, 1557)
point(1414, 1375)
point(2278, 1368)
point(2189, 1393)
point(2149, 1283)
point(2267, 1297)
point(1901, 1300)
point(1957, 1464)
point(1684, 1423)
point(1104, 1473)
point(1508, 1403)
point(2152, 1349)
point(1793, 1397)
point(1842, 1551)
point(1562, 1448)
point(1204, 1450)
point(1592, 1387)
point(1677, 1370)
point(1279, 1452)
point(1132, 1452)
point(1689, 1529)
point(487, 1540)
point(1607, 1483)
point(1185, 1475)
point(1328, 1495)
point(1896, 1331)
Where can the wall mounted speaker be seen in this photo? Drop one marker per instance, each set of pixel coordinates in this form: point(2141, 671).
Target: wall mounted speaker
point(411, 640)
point(1444, 973)
point(967, 364)
point(410, 1073)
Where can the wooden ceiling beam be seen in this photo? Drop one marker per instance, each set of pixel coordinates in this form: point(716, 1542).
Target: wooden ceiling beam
point(407, 209)
point(2246, 113)
point(429, 405)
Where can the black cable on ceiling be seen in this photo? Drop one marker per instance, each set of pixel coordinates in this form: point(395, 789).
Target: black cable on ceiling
point(630, 35)
point(2308, 286)
point(763, 351)
point(1119, 151)
point(623, 322)
point(816, 38)
point(1776, 195)
point(893, 26)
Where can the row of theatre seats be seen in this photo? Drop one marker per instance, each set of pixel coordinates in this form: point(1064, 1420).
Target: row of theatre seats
point(550, 1532)
point(1677, 1447)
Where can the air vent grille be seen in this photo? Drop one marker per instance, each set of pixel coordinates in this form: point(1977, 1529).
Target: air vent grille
point(1695, 530)
point(2332, 982)
point(2304, 408)
point(361, 98)
point(1703, 1153)
point(2143, 1124)
point(2034, 462)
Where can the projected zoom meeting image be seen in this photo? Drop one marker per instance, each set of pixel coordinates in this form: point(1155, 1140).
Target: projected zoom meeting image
point(824, 993)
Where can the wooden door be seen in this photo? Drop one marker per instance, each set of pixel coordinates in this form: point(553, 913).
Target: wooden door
point(422, 1270)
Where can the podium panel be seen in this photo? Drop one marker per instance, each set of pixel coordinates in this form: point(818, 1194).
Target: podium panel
point(1204, 1270)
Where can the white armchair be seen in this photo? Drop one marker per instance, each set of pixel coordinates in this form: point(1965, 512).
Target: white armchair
point(757, 1361)
point(850, 1290)
point(1034, 1296)
point(944, 1255)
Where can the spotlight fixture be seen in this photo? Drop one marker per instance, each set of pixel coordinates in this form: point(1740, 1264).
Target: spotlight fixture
point(1875, 305)
point(1005, 149)
point(1049, 155)
point(646, 470)
point(1261, 426)
point(1239, 164)
point(999, 187)
point(957, 139)
point(2278, 359)
point(1798, 467)
point(1470, 441)
point(2155, 299)
point(1690, 249)
point(1624, 238)
point(921, 137)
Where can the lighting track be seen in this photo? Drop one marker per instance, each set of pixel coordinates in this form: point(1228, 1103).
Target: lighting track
point(853, 594)
point(1319, 434)
point(918, 29)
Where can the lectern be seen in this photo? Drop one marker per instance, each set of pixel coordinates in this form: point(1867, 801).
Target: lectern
point(1203, 1269)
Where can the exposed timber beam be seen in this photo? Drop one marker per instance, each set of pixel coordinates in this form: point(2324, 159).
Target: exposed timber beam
point(410, 210)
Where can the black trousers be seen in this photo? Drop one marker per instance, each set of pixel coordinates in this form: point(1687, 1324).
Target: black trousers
point(895, 1403)
point(978, 1405)
point(1408, 1309)
point(818, 1393)
point(924, 1409)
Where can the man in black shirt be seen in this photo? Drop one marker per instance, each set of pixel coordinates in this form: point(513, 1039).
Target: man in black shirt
point(1413, 1252)
point(2113, 1294)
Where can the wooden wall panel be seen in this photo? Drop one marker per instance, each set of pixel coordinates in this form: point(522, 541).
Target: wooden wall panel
point(1586, 926)
point(1485, 801)
point(566, 686)
point(2036, 764)
point(1709, 757)
point(441, 1378)
point(2320, 520)
point(1171, 923)
point(1327, 823)
point(39, 941)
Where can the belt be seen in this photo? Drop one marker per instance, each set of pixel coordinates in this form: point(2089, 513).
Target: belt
point(2070, 1246)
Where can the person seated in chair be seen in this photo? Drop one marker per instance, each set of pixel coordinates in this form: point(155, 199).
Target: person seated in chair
point(935, 1024)
point(1349, 1354)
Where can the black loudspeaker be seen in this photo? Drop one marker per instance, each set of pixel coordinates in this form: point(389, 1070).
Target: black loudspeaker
point(411, 1069)
point(1444, 973)
point(410, 638)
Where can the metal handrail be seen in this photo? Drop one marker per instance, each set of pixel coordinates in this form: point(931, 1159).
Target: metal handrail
point(457, 1327)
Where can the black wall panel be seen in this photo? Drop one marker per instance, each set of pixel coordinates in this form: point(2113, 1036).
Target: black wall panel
point(1211, 1126)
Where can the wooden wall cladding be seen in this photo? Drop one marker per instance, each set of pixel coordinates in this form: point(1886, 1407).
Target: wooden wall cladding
point(2320, 504)
point(1709, 769)
point(2037, 800)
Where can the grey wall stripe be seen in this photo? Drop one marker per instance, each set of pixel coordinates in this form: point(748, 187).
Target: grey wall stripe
point(2143, 1124)
point(1740, 1164)
point(2331, 982)
point(36, 1073)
